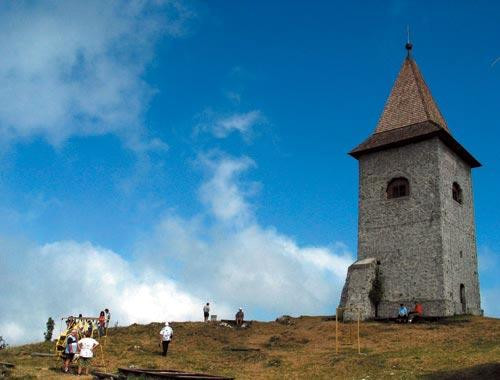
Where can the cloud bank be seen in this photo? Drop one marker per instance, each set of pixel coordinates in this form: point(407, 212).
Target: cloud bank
point(238, 261)
point(221, 255)
point(67, 278)
point(75, 68)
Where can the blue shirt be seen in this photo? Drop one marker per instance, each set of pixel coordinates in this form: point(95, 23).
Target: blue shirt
point(403, 311)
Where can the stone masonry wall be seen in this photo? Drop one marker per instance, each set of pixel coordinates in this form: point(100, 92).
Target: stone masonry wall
point(459, 235)
point(355, 294)
point(404, 234)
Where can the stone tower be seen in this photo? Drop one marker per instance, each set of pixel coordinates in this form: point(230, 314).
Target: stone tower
point(416, 228)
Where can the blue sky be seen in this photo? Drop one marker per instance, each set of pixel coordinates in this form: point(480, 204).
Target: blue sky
point(178, 149)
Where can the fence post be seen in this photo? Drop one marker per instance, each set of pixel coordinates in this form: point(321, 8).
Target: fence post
point(337, 331)
point(359, 316)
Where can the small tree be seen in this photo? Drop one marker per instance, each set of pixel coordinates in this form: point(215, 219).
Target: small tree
point(50, 330)
point(3, 344)
point(376, 291)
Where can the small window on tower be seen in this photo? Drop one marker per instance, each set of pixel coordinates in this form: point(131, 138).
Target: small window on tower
point(456, 192)
point(398, 187)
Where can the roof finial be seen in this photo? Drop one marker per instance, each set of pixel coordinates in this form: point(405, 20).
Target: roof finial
point(408, 45)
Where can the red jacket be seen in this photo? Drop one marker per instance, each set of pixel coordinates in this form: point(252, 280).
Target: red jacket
point(419, 309)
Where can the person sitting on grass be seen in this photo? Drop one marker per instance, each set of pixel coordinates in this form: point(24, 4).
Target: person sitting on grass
point(402, 313)
point(239, 317)
point(416, 313)
point(86, 346)
point(70, 350)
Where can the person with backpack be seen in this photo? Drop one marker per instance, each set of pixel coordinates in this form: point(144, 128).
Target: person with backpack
point(70, 350)
point(166, 335)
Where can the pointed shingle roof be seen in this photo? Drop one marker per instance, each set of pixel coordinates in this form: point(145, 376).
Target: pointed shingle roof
point(410, 101)
point(410, 115)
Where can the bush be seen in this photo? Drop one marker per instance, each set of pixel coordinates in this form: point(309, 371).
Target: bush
point(50, 330)
point(3, 344)
point(376, 292)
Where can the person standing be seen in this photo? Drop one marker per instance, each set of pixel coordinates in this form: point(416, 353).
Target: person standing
point(101, 324)
point(86, 346)
point(108, 318)
point(239, 317)
point(166, 335)
point(70, 350)
point(206, 311)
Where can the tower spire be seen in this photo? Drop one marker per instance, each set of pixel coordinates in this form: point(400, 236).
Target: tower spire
point(408, 45)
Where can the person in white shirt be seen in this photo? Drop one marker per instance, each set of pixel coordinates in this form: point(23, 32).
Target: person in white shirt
point(86, 346)
point(108, 317)
point(206, 311)
point(166, 335)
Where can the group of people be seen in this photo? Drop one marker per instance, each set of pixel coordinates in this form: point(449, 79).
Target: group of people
point(83, 347)
point(239, 317)
point(84, 324)
point(79, 340)
point(406, 316)
point(167, 333)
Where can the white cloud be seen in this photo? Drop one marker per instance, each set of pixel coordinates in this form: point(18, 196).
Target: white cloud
point(221, 126)
point(237, 261)
point(76, 67)
point(222, 255)
point(67, 278)
point(222, 192)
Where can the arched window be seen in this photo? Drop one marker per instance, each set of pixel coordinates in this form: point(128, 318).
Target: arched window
point(398, 187)
point(456, 192)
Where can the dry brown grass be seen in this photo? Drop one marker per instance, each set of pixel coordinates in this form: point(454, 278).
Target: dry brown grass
point(466, 346)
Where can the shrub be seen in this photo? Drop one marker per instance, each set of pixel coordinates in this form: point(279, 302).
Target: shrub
point(376, 292)
point(50, 330)
point(3, 344)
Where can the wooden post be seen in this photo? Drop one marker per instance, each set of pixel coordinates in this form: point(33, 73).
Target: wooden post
point(359, 316)
point(337, 331)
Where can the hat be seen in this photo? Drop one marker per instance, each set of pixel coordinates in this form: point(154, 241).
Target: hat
point(166, 323)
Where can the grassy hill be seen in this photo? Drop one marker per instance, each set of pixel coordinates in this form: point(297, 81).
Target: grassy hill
point(462, 347)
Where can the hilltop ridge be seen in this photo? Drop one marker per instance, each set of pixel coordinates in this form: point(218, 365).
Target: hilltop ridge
point(299, 348)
